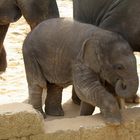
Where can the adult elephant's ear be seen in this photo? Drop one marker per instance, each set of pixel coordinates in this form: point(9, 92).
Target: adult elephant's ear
point(90, 54)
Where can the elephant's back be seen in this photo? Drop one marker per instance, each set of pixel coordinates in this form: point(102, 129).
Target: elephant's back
point(56, 43)
point(62, 34)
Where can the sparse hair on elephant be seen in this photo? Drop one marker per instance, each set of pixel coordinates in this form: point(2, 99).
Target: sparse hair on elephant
point(61, 52)
point(34, 11)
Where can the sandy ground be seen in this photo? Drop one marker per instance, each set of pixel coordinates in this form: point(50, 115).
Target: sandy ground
point(13, 85)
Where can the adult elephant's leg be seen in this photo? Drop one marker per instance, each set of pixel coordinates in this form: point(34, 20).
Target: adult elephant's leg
point(37, 11)
point(35, 97)
point(86, 109)
point(53, 100)
point(75, 98)
point(3, 61)
point(53, 11)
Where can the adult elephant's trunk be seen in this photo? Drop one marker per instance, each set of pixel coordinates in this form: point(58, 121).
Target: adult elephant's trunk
point(126, 89)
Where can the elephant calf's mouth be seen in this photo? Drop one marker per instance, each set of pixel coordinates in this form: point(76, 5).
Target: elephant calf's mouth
point(123, 86)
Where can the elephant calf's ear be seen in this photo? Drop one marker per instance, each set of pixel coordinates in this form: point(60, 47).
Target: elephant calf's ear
point(90, 55)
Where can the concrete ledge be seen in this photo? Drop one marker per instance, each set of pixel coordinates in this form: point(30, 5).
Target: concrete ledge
point(19, 120)
point(93, 127)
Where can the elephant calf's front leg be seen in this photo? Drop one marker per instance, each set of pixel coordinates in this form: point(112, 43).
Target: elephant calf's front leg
point(90, 91)
point(53, 100)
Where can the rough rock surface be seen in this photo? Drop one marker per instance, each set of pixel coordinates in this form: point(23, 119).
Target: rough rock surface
point(19, 120)
point(94, 128)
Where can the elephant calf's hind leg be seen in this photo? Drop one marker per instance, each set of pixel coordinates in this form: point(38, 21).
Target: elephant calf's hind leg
point(75, 98)
point(35, 98)
point(53, 100)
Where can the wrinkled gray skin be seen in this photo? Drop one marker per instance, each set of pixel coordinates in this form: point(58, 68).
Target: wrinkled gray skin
point(121, 16)
point(34, 11)
point(61, 52)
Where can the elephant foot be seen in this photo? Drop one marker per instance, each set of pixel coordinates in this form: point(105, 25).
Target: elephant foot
point(112, 119)
point(110, 110)
point(54, 111)
point(135, 99)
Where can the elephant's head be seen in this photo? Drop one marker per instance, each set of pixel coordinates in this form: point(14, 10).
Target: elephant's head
point(111, 56)
point(9, 11)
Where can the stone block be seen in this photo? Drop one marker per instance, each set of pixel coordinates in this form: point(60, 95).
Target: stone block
point(19, 120)
point(93, 127)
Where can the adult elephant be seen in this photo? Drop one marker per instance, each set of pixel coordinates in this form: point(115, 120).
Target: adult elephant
point(121, 16)
point(34, 11)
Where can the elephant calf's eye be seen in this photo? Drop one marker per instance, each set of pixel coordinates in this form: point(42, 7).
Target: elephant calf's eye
point(118, 67)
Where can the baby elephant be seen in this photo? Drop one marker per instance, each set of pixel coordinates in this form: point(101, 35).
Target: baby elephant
point(61, 52)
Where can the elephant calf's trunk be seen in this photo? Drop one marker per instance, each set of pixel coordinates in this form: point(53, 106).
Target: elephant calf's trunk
point(121, 102)
point(126, 89)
